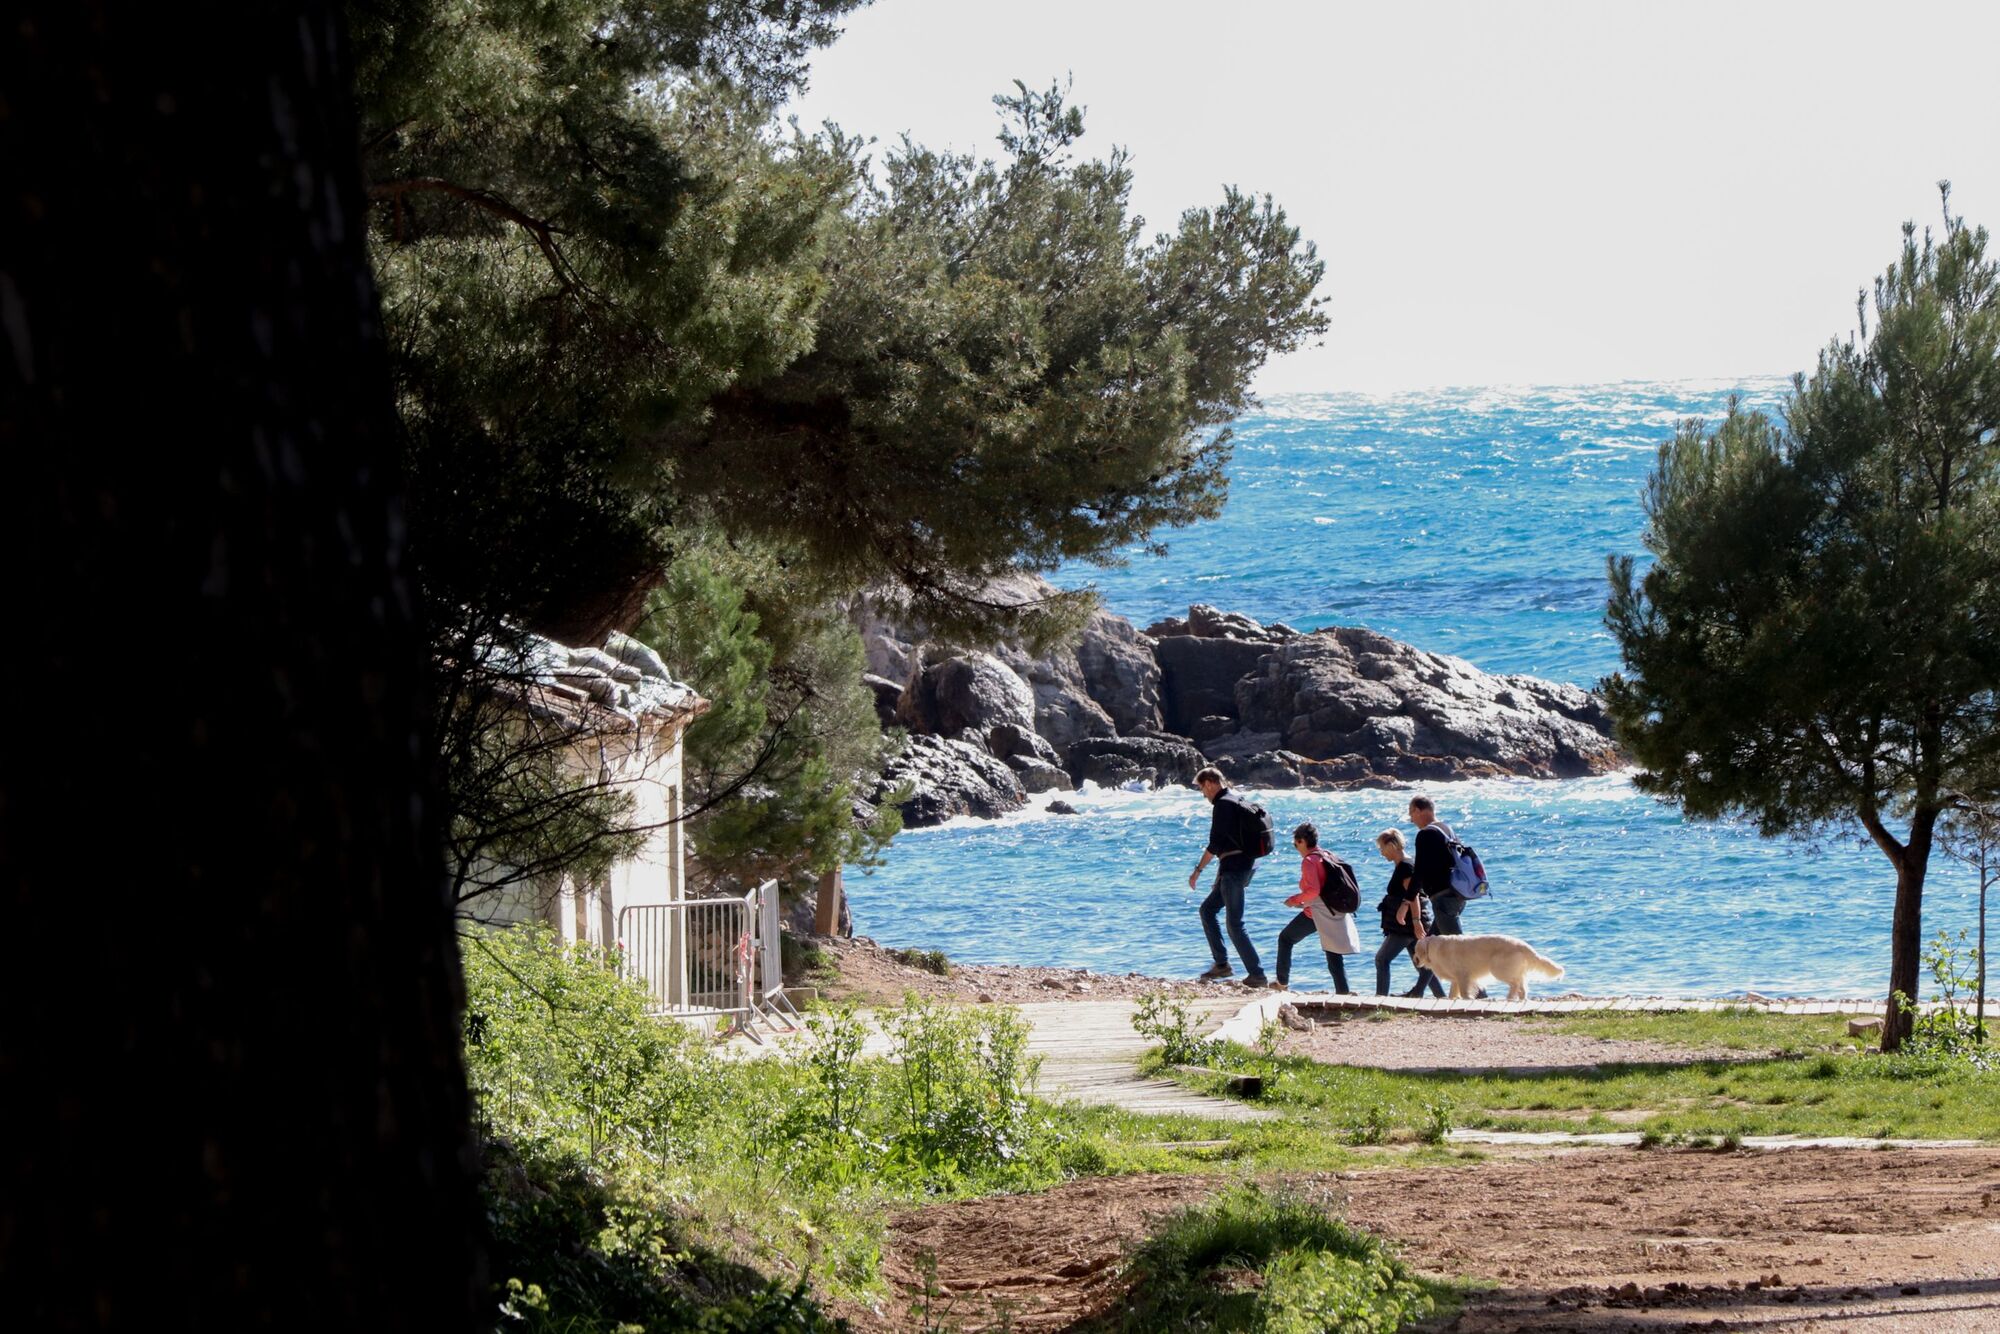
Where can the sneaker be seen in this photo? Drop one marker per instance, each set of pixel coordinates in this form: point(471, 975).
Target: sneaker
point(1215, 973)
point(1257, 982)
point(1279, 986)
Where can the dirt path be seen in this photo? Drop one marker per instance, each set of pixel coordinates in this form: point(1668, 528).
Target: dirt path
point(1445, 1042)
point(1906, 1242)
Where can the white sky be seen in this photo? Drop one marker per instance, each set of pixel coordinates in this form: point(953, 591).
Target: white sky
point(1504, 193)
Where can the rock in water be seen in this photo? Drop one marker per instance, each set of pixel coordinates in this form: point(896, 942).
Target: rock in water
point(950, 778)
point(1349, 694)
point(1112, 761)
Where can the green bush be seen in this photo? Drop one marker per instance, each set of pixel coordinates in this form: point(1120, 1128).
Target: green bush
point(560, 1051)
point(1170, 1023)
point(1312, 1272)
point(930, 961)
point(631, 1141)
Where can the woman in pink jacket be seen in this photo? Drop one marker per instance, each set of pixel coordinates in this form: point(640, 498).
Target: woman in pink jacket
point(1322, 879)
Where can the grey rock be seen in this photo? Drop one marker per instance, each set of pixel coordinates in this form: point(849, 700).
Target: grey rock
point(1360, 698)
point(1206, 622)
point(1121, 673)
point(1266, 768)
point(1109, 761)
point(1241, 742)
point(1060, 808)
point(972, 692)
point(1009, 741)
point(1039, 775)
point(887, 694)
point(1198, 677)
point(950, 778)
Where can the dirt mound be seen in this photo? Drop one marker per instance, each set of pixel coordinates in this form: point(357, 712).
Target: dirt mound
point(1579, 1241)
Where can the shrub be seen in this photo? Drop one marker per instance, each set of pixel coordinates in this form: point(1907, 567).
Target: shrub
point(1170, 1023)
point(930, 961)
point(1314, 1272)
point(560, 1051)
point(1952, 1029)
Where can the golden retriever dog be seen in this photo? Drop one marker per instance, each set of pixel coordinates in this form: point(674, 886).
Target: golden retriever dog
point(1464, 961)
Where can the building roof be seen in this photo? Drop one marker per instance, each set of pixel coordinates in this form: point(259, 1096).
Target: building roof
point(617, 687)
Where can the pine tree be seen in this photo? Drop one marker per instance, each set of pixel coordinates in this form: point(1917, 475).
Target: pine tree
point(1817, 641)
point(234, 1097)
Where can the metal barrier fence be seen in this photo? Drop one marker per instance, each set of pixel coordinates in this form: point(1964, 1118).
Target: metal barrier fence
point(710, 958)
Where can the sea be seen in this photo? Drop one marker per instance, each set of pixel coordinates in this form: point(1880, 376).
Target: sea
point(1471, 522)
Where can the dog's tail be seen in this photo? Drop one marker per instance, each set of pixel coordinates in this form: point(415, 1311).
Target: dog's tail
point(1545, 966)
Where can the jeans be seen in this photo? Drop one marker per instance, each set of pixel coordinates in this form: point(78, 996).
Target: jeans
point(1227, 896)
point(1446, 908)
point(1385, 955)
point(1296, 930)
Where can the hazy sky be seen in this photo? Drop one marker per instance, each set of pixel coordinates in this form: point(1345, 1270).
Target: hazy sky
point(1504, 193)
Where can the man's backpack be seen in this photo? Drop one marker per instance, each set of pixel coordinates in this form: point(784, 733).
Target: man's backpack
point(1263, 837)
point(1340, 890)
point(1468, 875)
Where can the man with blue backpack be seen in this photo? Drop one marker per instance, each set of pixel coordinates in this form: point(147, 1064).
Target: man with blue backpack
point(1239, 832)
point(1448, 872)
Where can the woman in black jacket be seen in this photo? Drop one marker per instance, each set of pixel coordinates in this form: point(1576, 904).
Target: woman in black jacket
point(1400, 907)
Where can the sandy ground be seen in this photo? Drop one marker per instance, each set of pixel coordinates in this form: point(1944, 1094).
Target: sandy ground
point(1444, 1042)
point(870, 976)
point(1903, 1242)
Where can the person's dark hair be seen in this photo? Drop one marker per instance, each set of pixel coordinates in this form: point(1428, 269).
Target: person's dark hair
point(1306, 834)
point(1421, 804)
point(1208, 775)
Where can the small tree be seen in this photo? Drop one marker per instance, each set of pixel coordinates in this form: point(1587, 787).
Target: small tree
point(1970, 833)
point(1818, 639)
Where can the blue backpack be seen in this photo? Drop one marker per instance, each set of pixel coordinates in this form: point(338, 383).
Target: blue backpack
point(1468, 875)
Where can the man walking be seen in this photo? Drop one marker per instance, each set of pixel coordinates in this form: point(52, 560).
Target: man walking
point(1434, 862)
point(1234, 831)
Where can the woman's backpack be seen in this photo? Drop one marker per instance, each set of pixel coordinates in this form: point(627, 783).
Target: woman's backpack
point(1340, 890)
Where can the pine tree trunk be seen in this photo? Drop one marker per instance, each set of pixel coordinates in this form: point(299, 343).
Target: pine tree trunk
point(1906, 929)
point(233, 1094)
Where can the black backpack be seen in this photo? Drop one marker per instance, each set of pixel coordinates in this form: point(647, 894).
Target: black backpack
point(1263, 837)
point(1341, 892)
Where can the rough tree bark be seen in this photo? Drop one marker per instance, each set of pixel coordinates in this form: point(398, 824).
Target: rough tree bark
point(233, 1096)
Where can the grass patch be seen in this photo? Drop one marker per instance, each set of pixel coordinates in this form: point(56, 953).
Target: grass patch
point(1730, 1029)
point(929, 961)
point(1826, 1085)
point(1276, 1263)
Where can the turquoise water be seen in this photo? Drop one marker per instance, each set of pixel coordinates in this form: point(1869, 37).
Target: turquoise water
point(1471, 522)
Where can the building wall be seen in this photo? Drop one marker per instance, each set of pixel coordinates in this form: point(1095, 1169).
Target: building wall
point(649, 766)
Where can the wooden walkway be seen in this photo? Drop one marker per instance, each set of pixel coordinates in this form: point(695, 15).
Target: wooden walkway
point(1090, 1054)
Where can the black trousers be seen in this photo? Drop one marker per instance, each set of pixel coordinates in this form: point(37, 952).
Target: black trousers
point(1296, 930)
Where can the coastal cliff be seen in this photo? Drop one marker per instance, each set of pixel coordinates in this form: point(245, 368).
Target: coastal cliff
point(1270, 706)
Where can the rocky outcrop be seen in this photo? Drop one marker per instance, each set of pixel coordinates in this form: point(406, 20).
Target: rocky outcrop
point(1270, 706)
point(969, 692)
point(1361, 698)
point(949, 778)
point(1202, 657)
point(1198, 680)
point(1111, 761)
point(1121, 673)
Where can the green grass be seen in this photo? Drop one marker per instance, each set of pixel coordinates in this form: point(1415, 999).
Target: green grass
point(1823, 1084)
point(1736, 1030)
point(1271, 1263)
